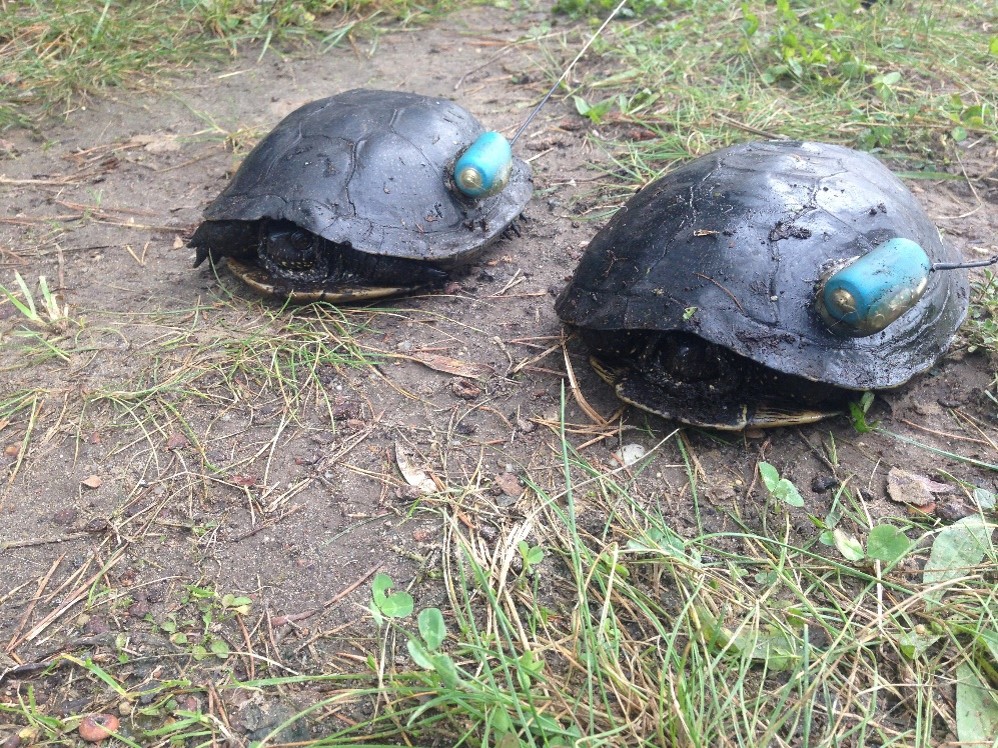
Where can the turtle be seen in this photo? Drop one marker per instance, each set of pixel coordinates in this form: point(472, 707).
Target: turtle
point(765, 284)
point(362, 195)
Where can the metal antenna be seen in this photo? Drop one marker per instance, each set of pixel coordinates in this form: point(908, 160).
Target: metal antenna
point(961, 265)
point(567, 70)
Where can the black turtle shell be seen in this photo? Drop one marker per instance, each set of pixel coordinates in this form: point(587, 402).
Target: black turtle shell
point(371, 169)
point(730, 247)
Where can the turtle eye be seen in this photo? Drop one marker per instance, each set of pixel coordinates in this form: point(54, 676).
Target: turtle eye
point(484, 168)
point(301, 241)
point(688, 358)
point(874, 290)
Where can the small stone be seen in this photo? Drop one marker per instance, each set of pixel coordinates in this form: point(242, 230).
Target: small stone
point(65, 516)
point(465, 389)
point(951, 402)
point(188, 703)
point(97, 525)
point(98, 727)
point(509, 484)
point(176, 441)
point(344, 410)
point(96, 626)
point(953, 510)
point(822, 483)
point(92, 482)
point(629, 454)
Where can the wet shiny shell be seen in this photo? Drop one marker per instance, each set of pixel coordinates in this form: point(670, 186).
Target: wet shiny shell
point(369, 168)
point(730, 247)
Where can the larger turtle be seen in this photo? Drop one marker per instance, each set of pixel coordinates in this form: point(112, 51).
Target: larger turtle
point(362, 195)
point(764, 285)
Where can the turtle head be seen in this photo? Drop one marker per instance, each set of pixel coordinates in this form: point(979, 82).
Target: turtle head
point(484, 167)
point(289, 252)
point(873, 290)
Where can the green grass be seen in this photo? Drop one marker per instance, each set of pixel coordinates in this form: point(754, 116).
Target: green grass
point(55, 54)
point(981, 330)
point(634, 635)
point(627, 634)
point(913, 79)
point(283, 360)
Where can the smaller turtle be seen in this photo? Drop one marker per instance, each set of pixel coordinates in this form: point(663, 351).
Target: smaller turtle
point(766, 284)
point(362, 195)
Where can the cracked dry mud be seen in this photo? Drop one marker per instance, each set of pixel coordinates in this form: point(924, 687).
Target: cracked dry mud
point(160, 470)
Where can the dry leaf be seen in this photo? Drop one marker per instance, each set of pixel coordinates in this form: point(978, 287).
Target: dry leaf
point(450, 365)
point(92, 481)
point(414, 476)
point(917, 490)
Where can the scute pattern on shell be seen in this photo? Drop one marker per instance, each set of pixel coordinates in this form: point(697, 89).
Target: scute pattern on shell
point(369, 168)
point(731, 246)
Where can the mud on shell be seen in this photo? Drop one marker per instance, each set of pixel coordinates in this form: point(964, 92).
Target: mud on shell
point(722, 261)
point(350, 197)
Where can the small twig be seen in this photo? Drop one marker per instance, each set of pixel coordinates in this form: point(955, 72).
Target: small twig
point(251, 666)
point(486, 64)
point(215, 700)
point(973, 190)
point(293, 617)
point(104, 210)
point(42, 584)
point(748, 128)
point(57, 182)
point(268, 524)
point(8, 252)
point(516, 280)
point(946, 435)
point(534, 359)
point(189, 162)
point(74, 597)
point(29, 542)
point(708, 278)
point(128, 248)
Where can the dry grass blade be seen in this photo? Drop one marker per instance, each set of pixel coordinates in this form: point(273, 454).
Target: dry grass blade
point(577, 395)
point(74, 598)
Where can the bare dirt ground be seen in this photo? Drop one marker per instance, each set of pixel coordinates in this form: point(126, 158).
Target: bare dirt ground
point(159, 469)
